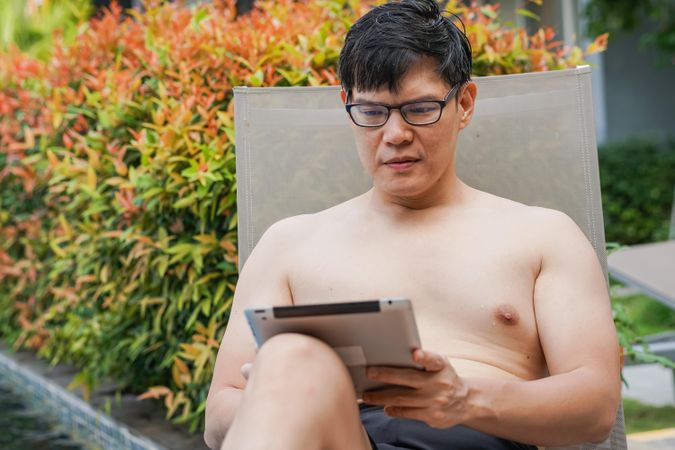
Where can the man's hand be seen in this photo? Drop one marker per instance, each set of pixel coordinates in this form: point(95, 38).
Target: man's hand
point(246, 370)
point(435, 394)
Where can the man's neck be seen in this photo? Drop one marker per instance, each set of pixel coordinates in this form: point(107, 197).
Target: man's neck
point(452, 195)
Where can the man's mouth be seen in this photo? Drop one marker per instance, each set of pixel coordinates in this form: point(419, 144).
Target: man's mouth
point(401, 163)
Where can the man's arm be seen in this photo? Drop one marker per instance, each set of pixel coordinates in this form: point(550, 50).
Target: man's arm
point(262, 282)
point(577, 402)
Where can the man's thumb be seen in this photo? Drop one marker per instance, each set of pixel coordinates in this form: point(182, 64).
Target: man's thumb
point(246, 370)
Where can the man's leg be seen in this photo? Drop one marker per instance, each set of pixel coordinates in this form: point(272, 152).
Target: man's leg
point(299, 396)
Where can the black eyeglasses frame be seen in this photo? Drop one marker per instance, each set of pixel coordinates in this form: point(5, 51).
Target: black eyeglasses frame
point(443, 103)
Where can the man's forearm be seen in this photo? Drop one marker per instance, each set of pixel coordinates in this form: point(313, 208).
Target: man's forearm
point(219, 416)
point(564, 409)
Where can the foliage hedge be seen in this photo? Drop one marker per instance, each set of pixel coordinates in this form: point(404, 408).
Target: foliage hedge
point(637, 179)
point(29, 24)
point(118, 248)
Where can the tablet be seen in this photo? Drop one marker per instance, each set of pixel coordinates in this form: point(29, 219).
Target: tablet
point(364, 333)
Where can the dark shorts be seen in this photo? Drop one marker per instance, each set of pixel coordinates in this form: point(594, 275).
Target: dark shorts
point(389, 433)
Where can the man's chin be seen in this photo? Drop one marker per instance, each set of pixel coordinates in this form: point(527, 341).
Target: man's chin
point(398, 190)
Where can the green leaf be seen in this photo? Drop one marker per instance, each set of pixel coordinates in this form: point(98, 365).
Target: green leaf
point(527, 13)
point(152, 193)
point(256, 79)
point(181, 249)
point(185, 202)
point(487, 11)
point(193, 318)
point(199, 16)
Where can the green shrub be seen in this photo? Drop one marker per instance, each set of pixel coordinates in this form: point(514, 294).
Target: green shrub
point(29, 24)
point(649, 316)
point(637, 179)
point(117, 185)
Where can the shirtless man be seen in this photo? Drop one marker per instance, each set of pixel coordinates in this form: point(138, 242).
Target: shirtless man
point(510, 300)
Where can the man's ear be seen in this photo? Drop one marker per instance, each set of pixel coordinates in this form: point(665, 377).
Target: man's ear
point(343, 96)
point(467, 102)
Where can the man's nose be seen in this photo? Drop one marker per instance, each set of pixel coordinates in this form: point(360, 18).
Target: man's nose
point(397, 131)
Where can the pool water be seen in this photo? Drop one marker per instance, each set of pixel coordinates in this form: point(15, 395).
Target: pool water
point(25, 428)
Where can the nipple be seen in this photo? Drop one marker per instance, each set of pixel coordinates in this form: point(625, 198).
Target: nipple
point(506, 314)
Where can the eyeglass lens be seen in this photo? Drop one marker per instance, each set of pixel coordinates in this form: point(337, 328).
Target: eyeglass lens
point(414, 113)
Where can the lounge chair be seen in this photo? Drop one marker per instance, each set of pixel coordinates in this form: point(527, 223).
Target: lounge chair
point(532, 139)
point(650, 268)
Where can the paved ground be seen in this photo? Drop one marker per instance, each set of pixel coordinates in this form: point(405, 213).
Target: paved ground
point(651, 384)
point(652, 440)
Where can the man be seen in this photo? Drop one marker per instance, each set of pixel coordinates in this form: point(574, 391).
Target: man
point(510, 300)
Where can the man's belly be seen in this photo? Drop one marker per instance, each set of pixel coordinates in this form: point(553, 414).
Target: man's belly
point(468, 368)
point(494, 352)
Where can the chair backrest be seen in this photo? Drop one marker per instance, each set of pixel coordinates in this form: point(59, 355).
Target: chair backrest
point(532, 139)
point(671, 233)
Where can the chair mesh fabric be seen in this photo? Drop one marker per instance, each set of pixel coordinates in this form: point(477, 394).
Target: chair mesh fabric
point(532, 139)
point(671, 233)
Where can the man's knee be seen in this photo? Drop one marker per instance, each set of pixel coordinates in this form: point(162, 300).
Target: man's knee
point(296, 349)
point(293, 354)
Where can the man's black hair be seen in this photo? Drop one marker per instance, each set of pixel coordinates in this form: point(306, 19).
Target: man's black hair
point(383, 44)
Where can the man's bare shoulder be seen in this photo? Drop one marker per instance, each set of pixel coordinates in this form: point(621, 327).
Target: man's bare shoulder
point(532, 218)
point(553, 226)
point(297, 228)
point(545, 231)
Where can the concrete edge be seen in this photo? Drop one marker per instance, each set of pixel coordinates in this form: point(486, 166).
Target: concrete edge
point(654, 435)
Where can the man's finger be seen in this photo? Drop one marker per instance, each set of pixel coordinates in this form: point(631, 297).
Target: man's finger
point(432, 362)
point(435, 419)
point(407, 413)
point(396, 375)
point(246, 370)
point(394, 397)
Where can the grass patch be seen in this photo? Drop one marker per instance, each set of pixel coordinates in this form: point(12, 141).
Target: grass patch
point(641, 417)
point(649, 316)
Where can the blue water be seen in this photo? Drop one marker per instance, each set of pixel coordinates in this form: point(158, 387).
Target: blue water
point(26, 428)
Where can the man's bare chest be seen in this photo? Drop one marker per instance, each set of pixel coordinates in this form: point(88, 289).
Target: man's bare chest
point(472, 290)
point(455, 284)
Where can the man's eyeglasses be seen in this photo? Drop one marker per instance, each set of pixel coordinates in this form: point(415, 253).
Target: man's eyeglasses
point(415, 113)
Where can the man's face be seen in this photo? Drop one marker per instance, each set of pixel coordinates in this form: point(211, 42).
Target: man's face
point(407, 161)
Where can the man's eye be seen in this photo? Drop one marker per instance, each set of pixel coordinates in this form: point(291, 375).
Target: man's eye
point(371, 112)
point(421, 108)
